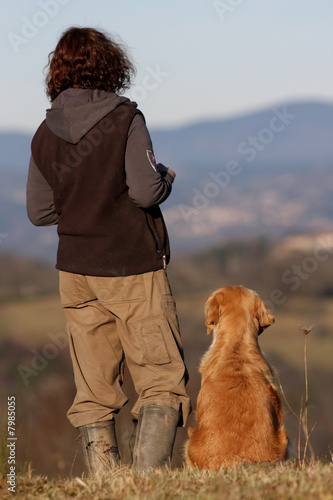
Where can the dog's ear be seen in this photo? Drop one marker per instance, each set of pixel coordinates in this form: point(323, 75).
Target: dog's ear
point(263, 315)
point(212, 310)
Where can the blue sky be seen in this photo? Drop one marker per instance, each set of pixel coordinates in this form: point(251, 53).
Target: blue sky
point(195, 59)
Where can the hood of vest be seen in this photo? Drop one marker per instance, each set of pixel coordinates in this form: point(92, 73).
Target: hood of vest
point(76, 111)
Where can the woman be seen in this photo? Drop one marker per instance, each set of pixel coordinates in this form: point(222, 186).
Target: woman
point(92, 172)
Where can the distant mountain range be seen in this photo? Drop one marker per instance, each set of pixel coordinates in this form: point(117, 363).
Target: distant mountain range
point(269, 173)
point(298, 134)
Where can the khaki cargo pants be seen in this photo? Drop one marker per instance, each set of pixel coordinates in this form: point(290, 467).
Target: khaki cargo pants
point(113, 320)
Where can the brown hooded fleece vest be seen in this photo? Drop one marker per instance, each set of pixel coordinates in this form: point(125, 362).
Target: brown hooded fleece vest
point(102, 232)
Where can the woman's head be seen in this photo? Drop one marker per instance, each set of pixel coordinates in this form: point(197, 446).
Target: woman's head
point(88, 59)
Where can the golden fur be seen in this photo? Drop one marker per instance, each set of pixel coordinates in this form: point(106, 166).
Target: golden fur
point(239, 411)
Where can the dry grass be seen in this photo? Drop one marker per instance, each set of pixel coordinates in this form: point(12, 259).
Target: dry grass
point(261, 481)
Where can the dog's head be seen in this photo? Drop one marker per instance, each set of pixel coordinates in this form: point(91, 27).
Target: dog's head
point(237, 300)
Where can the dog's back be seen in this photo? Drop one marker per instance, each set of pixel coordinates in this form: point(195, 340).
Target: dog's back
point(239, 412)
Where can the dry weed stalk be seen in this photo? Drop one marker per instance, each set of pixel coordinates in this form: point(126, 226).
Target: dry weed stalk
point(303, 414)
point(304, 420)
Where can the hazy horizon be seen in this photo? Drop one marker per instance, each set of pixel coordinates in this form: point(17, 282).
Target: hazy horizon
point(206, 119)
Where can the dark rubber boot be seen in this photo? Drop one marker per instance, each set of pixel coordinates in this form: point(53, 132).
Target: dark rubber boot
point(155, 437)
point(133, 439)
point(100, 447)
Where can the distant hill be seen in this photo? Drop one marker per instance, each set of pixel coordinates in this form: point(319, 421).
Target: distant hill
point(298, 133)
point(295, 133)
point(268, 172)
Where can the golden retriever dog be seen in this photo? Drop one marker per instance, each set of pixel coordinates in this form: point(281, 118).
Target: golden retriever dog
point(239, 411)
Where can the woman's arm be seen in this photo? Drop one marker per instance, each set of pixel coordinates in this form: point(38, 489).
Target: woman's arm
point(149, 183)
point(40, 204)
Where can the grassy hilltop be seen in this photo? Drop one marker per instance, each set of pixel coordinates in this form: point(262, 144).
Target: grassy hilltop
point(266, 482)
point(36, 368)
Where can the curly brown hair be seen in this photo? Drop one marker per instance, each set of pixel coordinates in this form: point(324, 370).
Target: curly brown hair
point(88, 59)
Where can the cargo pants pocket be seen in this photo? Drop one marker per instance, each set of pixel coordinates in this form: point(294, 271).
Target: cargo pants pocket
point(155, 341)
point(74, 290)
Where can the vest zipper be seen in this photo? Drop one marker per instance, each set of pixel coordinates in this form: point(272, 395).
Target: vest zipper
point(153, 231)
